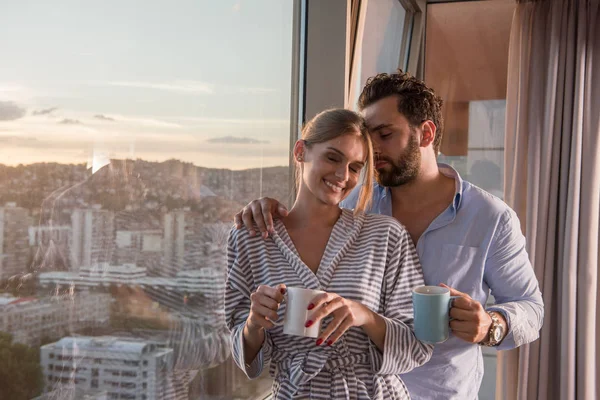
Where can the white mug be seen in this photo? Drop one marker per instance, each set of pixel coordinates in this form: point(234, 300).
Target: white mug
point(297, 312)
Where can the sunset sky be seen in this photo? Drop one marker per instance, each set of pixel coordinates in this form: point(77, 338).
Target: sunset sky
point(205, 81)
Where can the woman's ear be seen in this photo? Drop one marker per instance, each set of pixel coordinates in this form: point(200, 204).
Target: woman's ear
point(299, 150)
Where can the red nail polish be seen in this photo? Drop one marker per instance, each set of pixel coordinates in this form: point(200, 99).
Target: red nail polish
point(282, 290)
point(311, 306)
point(329, 343)
point(308, 323)
point(319, 341)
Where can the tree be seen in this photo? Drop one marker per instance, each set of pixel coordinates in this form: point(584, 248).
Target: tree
point(20, 371)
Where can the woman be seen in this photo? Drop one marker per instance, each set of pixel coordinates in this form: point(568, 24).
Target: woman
point(366, 264)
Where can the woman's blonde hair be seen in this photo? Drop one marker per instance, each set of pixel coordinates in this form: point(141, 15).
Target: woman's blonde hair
point(331, 124)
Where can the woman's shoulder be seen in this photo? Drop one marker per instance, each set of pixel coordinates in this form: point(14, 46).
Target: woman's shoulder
point(381, 225)
point(384, 221)
point(241, 236)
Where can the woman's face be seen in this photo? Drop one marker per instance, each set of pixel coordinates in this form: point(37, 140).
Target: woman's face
point(331, 169)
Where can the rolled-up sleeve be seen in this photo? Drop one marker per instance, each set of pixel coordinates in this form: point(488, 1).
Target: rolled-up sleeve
point(402, 351)
point(509, 274)
point(238, 288)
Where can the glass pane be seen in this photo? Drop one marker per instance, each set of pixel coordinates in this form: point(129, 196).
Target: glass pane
point(130, 133)
point(466, 58)
point(382, 41)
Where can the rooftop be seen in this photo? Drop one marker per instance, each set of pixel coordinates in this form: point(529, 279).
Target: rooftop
point(104, 343)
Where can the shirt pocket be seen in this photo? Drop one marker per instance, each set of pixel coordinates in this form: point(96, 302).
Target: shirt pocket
point(464, 267)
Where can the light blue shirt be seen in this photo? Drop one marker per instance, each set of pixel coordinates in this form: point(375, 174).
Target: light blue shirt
point(474, 246)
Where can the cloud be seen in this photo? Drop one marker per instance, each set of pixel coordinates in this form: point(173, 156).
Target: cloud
point(19, 141)
point(147, 122)
point(235, 140)
point(282, 123)
point(68, 121)
point(45, 111)
point(176, 86)
point(10, 111)
point(257, 90)
point(103, 117)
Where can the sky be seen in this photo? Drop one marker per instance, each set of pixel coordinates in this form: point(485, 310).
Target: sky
point(203, 81)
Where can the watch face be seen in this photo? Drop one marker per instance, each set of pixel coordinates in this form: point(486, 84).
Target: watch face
point(497, 334)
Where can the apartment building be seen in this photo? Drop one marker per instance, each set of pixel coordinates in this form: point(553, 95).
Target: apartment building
point(125, 368)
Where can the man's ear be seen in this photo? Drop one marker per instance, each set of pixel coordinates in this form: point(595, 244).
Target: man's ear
point(428, 130)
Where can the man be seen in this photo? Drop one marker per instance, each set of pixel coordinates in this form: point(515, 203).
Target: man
point(466, 238)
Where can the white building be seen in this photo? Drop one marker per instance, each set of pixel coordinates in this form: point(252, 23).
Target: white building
point(93, 236)
point(209, 282)
point(14, 241)
point(125, 368)
point(143, 248)
point(51, 244)
point(116, 274)
point(42, 235)
point(73, 393)
point(175, 232)
point(30, 319)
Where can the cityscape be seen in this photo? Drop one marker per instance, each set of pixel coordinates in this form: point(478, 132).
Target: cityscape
point(112, 281)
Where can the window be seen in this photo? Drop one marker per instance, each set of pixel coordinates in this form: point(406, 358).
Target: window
point(382, 41)
point(131, 363)
point(131, 133)
point(474, 92)
point(473, 87)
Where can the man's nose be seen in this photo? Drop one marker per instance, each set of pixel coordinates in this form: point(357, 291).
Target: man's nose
point(376, 152)
point(376, 148)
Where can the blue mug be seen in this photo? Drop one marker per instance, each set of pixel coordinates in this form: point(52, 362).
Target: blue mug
point(431, 310)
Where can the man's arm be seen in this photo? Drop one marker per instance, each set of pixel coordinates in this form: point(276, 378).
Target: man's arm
point(514, 285)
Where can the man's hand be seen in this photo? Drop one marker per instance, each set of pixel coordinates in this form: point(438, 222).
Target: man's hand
point(470, 321)
point(260, 212)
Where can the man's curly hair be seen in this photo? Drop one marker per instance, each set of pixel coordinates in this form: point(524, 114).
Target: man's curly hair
point(417, 102)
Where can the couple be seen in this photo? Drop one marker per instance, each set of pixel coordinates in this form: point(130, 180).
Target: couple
point(465, 238)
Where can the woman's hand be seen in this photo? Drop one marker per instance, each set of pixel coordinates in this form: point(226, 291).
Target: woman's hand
point(264, 304)
point(263, 307)
point(346, 314)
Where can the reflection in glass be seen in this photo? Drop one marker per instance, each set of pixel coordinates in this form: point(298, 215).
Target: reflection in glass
point(130, 134)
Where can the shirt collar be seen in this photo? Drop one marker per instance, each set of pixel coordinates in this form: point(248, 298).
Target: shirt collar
point(458, 191)
point(445, 169)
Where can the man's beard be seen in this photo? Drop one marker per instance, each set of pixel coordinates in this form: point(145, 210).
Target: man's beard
point(404, 170)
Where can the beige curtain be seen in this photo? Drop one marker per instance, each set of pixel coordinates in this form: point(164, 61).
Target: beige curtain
point(552, 180)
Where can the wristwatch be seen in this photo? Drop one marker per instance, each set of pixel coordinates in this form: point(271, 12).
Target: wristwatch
point(496, 332)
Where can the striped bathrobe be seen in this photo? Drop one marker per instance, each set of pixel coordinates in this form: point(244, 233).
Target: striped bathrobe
point(370, 259)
